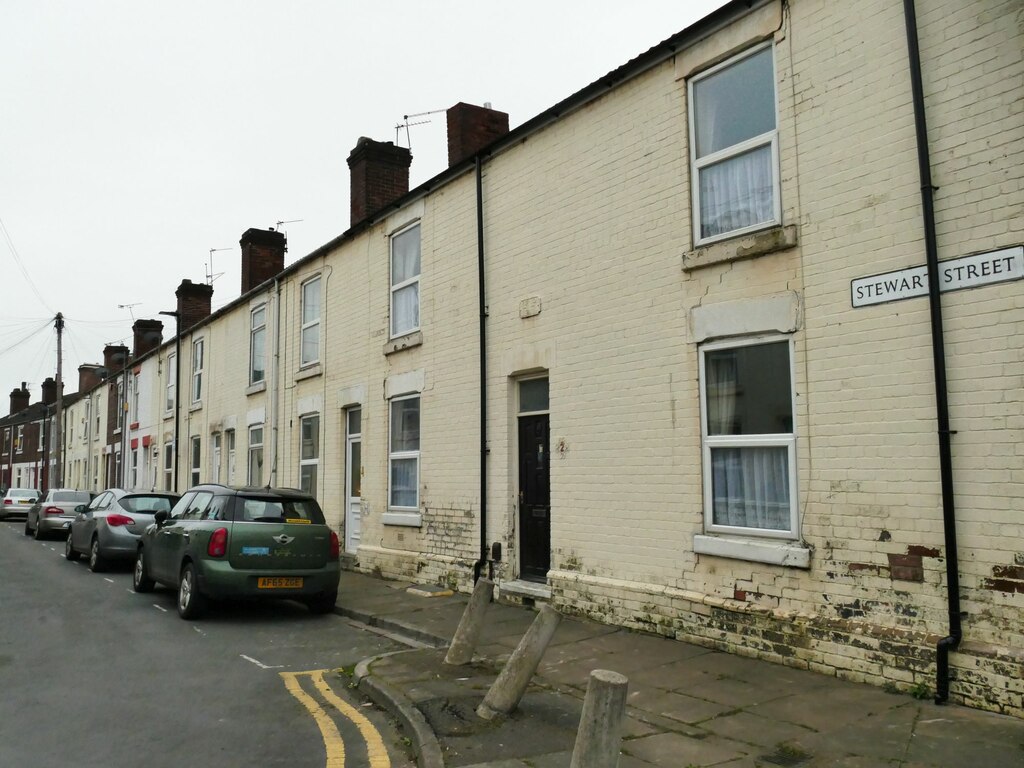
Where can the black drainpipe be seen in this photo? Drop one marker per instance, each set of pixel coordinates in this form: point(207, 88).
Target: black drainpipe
point(479, 564)
point(946, 644)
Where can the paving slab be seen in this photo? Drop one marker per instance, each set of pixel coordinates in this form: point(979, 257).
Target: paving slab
point(677, 750)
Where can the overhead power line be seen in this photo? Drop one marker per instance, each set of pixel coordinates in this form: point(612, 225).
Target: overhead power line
point(21, 265)
point(45, 326)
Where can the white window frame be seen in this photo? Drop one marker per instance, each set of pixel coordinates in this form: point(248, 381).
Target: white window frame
point(170, 384)
point(311, 326)
point(119, 421)
point(196, 455)
point(253, 447)
point(402, 515)
point(770, 138)
point(19, 441)
point(198, 363)
point(257, 329)
point(314, 460)
point(215, 457)
point(134, 417)
point(135, 468)
point(396, 287)
point(42, 436)
point(229, 439)
point(786, 440)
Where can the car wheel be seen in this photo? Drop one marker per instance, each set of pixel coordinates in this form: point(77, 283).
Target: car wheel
point(191, 601)
point(322, 603)
point(37, 534)
point(97, 562)
point(140, 576)
point(69, 551)
point(28, 531)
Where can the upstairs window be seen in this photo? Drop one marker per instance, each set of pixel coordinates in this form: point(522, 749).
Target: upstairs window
point(135, 398)
point(197, 370)
point(120, 405)
point(257, 344)
point(734, 147)
point(19, 439)
point(169, 386)
point(749, 442)
point(405, 281)
point(310, 342)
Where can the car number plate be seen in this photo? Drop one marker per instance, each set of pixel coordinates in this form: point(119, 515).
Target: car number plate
point(279, 582)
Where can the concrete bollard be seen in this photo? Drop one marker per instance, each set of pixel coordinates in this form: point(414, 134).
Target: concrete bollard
point(508, 689)
point(472, 621)
point(600, 733)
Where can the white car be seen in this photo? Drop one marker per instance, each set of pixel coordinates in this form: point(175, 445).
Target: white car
point(17, 501)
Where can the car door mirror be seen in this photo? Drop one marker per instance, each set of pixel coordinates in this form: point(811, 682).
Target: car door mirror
point(80, 509)
point(160, 518)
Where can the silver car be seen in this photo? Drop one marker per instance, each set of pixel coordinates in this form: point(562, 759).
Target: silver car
point(17, 501)
point(53, 513)
point(108, 528)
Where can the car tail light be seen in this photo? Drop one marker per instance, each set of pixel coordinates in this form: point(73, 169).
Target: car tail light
point(218, 545)
point(335, 546)
point(7, 501)
point(116, 520)
point(54, 511)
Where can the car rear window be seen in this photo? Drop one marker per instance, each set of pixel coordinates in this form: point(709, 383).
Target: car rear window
point(272, 510)
point(82, 497)
point(151, 504)
point(16, 494)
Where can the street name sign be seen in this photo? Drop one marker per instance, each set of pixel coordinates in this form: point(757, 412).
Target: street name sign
point(954, 275)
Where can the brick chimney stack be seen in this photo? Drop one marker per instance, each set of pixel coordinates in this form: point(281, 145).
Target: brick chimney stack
point(89, 376)
point(470, 128)
point(193, 303)
point(146, 336)
point(115, 357)
point(19, 399)
point(49, 391)
point(262, 256)
point(379, 173)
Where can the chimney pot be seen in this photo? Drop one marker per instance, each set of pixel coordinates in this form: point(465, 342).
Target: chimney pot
point(19, 399)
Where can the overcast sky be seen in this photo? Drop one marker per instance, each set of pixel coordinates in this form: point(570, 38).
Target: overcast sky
point(136, 136)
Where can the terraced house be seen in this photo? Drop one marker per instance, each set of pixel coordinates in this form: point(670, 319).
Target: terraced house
point(724, 346)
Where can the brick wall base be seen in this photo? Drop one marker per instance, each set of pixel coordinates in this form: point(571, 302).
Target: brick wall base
point(981, 676)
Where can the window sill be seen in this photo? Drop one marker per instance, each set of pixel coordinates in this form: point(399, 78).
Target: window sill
point(785, 553)
point(255, 389)
point(408, 341)
point(750, 246)
point(410, 519)
point(310, 371)
point(197, 406)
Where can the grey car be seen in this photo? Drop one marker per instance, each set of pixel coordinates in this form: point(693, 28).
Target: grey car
point(108, 528)
point(53, 513)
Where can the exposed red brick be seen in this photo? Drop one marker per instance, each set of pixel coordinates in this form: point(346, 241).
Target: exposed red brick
point(923, 551)
point(739, 594)
point(1003, 585)
point(1008, 572)
point(906, 568)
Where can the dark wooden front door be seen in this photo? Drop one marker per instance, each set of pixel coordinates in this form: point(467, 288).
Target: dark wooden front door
point(534, 498)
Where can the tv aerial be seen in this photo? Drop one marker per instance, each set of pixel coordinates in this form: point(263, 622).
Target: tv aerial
point(129, 308)
point(210, 274)
point(407, 125)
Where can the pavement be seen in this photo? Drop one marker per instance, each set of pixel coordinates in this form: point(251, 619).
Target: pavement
point(687, 705)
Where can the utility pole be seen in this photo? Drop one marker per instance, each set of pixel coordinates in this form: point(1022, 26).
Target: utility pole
point(58, 440)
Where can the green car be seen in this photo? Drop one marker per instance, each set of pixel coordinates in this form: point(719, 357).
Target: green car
point(219, 543)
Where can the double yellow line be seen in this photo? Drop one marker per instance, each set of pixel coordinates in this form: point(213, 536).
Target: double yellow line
point(333, 743)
